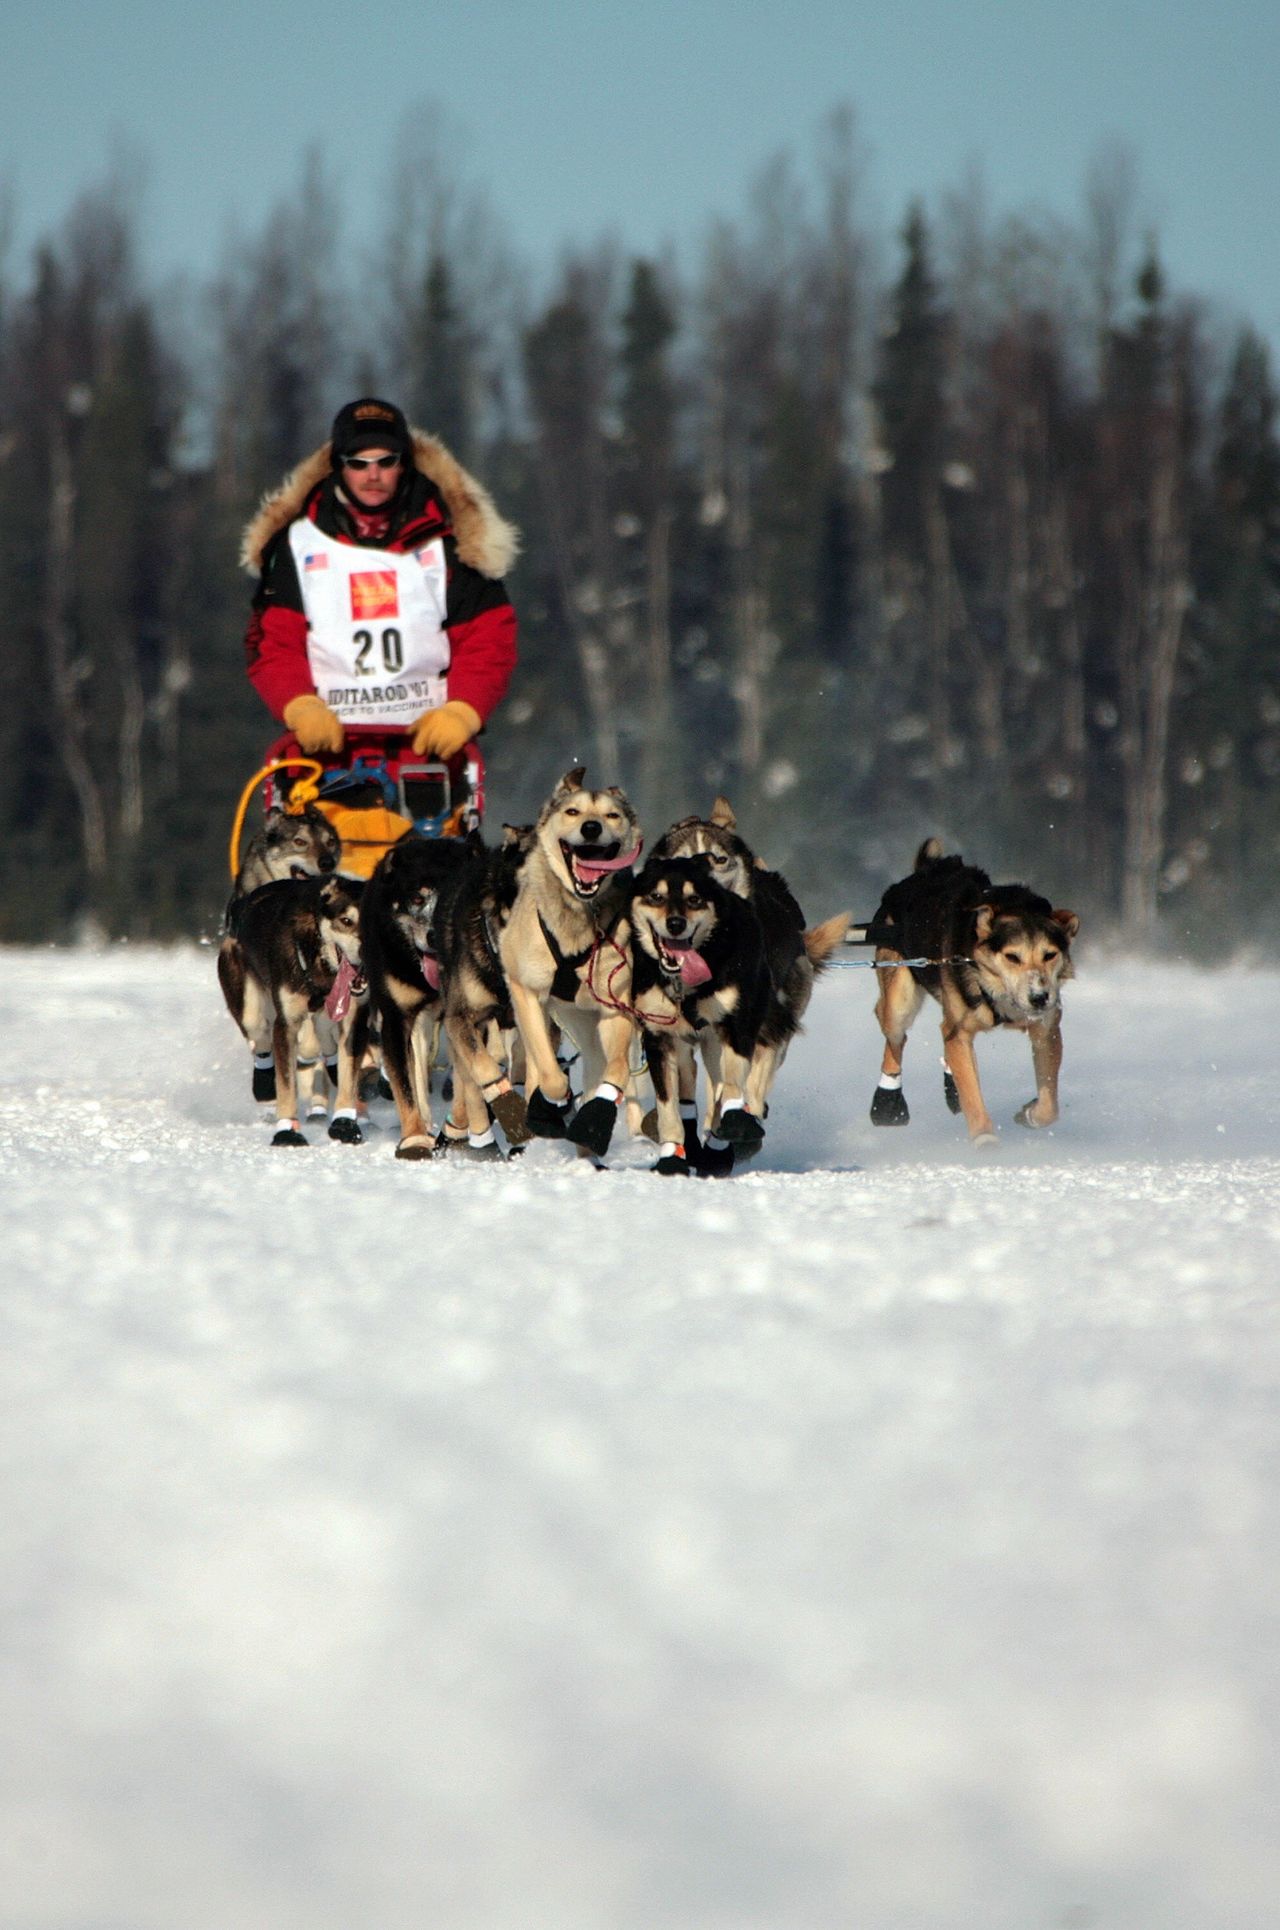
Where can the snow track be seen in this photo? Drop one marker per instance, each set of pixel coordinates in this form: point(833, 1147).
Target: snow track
point(884, 1537)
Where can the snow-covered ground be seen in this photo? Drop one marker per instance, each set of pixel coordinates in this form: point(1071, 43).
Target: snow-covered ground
point(885, 1537)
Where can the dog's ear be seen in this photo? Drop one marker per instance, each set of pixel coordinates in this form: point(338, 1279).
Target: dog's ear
point(571, 781)
point(722, 813)
point(1068, 921)
point(983, 919)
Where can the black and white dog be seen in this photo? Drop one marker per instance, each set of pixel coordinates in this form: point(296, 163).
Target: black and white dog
point(291, 955)
point(403, 968)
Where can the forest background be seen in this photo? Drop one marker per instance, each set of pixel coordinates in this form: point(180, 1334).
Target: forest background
point(973, 530)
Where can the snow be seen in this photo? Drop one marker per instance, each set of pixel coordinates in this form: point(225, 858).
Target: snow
point(883, 1537)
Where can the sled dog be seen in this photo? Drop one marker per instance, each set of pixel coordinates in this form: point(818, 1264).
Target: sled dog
point(565, 952)
point(699, 972)
point(403, 969)
point(794, 956)
point(794, 959)
point(700, 953)
point(292, 953)
point(471, 915)
point(1001, 955)
point(298, 844)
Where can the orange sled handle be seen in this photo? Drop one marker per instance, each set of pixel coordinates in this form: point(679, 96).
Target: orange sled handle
point(304, 792)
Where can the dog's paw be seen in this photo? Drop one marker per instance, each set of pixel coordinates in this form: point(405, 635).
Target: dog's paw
point(983, 1142)
point(672, 1165)
point(889, 1107)
point(287, 1134)
point(949, 1093)
point(1026, 1116)
point(546, 1119)
point(346, 1130)
point(592, 1125)
point(416, 1146)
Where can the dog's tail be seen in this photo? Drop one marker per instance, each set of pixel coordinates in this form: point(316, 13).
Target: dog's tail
point(821, 940)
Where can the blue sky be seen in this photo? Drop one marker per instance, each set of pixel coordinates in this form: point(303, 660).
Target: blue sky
point(647, 119)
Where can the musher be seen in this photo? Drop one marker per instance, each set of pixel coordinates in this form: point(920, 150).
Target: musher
point(380, 611)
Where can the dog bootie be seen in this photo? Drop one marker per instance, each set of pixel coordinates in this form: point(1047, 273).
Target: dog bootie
point(741, 1130)
point(593, 1123)
point(511, 1113)
point(546, 1119)
point(673, 1161)
point(287, 1134)
point(345, 1127)
point(949, 1093)
point(417, 1146)
point(713, 1161)
point(889, 1106)
point(264, 1077)
point(479, 1146)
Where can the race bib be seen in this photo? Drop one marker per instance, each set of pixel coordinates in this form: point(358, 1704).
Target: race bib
point(376, 642)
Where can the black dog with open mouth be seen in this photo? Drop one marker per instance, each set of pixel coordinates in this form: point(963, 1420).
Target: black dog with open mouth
point(699, 974)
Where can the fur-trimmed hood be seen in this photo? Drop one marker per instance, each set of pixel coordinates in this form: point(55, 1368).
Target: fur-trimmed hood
point(485, 539)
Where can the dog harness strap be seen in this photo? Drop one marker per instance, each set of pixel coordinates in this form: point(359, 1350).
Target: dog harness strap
point(564, 985)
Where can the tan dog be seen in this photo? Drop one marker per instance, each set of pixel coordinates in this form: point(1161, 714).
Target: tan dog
point(565, 951)
point(1001, 955)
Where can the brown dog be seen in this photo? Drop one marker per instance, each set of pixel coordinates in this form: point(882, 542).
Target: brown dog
point(999, 955)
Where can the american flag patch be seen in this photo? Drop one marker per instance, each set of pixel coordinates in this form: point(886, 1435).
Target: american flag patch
point(318, 561)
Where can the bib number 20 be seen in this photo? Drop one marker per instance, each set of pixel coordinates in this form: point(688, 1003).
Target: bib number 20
point(392, 652)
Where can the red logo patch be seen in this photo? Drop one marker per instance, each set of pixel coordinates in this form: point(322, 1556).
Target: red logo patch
point(373, 594)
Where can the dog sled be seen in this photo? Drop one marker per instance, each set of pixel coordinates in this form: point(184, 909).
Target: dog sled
point(372, 792)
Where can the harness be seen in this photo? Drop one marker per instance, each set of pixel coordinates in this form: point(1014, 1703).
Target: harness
point(564, 986)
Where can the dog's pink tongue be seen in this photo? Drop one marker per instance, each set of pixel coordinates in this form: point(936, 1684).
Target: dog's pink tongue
point(431, 971)
point(596, 867)
point(694, 969)
point(339, 998)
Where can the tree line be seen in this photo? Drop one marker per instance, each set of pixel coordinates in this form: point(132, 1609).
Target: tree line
point(974, 532)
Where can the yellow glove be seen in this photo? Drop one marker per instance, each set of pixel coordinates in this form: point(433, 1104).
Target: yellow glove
point(443, 732)
point(313, 723)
